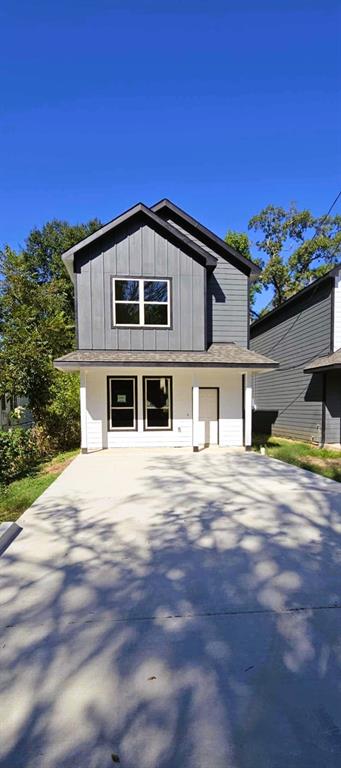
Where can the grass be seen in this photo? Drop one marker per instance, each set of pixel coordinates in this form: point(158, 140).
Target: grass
point(19, 495)
point(320, 460)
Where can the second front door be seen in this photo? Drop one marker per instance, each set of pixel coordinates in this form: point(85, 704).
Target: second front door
point(208, 415)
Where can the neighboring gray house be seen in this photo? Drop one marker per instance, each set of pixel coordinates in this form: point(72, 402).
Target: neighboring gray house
point(162, 310)
point(302, 399)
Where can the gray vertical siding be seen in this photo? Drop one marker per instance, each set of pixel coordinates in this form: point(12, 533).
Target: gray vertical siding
point(333, 407)
point(227, 297)
point(140, 252)
point(227, 303)
point(288, 397)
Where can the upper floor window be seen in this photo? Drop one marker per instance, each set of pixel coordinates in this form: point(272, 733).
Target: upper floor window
point(142, 302)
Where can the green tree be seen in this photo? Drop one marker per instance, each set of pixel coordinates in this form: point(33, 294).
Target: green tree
point(298, 248)
point(43, 249)
point(241, 242)
point(37, 313)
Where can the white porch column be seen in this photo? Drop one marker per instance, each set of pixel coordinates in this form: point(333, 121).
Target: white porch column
point(195, 412)
point(84, 440)
point(248, 410)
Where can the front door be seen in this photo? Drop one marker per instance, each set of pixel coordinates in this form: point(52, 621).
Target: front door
point(208, 415)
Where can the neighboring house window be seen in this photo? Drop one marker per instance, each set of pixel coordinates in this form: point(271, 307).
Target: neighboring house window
point(157, 395)
point(122, 402)
point(143, 302)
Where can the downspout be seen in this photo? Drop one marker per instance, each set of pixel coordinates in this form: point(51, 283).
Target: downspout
point(324, 406)
point(243, 405)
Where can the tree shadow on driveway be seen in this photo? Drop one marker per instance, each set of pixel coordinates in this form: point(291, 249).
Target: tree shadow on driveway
point(190, 622)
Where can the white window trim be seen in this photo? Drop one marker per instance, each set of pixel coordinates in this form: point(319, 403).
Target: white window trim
point(132, 407)
point(141, 302)
point(170, 404)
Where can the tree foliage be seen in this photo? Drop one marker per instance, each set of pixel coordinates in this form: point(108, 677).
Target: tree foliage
point(298, 248)
point(43, 249)
point(37, 313)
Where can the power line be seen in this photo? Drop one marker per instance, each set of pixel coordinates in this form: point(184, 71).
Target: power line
point(330, 209)
point(322, 353)
point(325, 217)
point(318, 228)
point(314, 290)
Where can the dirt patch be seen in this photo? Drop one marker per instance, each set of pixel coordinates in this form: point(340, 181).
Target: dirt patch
point(57, 466)
point(323, 463)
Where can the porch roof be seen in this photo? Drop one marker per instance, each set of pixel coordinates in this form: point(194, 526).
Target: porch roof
point(228, 355)
point(325, 363)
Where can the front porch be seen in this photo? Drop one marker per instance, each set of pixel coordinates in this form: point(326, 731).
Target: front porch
point(166, 398)
point(206, 407)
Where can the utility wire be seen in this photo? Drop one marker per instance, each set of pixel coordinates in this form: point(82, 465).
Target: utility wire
point(338, 245)
point(322, 353)
point(327, 214)
point(296, 319)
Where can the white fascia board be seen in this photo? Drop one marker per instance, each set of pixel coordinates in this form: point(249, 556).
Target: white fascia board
point(337, 312)
point(68, 264)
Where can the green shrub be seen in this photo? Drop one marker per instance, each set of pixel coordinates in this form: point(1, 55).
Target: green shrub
point(19, 453)
point(61, 419)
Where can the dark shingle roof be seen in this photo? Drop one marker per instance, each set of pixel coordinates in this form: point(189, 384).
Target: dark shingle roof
point(333, 360)
point(204, 235)
point(140, 210)
point(198, 241)
point(217, 356)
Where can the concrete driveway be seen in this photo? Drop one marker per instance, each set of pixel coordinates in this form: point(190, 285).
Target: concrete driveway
point(176, 610)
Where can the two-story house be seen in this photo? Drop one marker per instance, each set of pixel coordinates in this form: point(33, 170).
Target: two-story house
point(162, 316)
point(302, 399)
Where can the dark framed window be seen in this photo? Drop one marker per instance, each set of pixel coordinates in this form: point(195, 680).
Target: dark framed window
point(141, 302)
point(122, 402)
point(157, 402)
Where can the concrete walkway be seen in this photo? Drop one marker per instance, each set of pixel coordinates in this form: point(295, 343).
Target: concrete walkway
point(178, 610)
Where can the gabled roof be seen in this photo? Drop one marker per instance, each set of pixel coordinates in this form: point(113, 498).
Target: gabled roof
point(228, 355)
point(297, 296)
point(140, 210)
point(325, 363)
point(166, 207)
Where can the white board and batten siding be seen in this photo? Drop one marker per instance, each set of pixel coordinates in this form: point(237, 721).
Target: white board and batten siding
point(337, 312)
point(230, 408)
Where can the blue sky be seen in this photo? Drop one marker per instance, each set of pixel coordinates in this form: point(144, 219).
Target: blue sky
point(223, 107)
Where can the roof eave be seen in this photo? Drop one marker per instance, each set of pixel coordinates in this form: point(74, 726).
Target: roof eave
point(207, 259)
point(323, 368)
point(66, 365)
point(254, 269)
point(296, 296)
point(68, 264)
point(102, 231)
